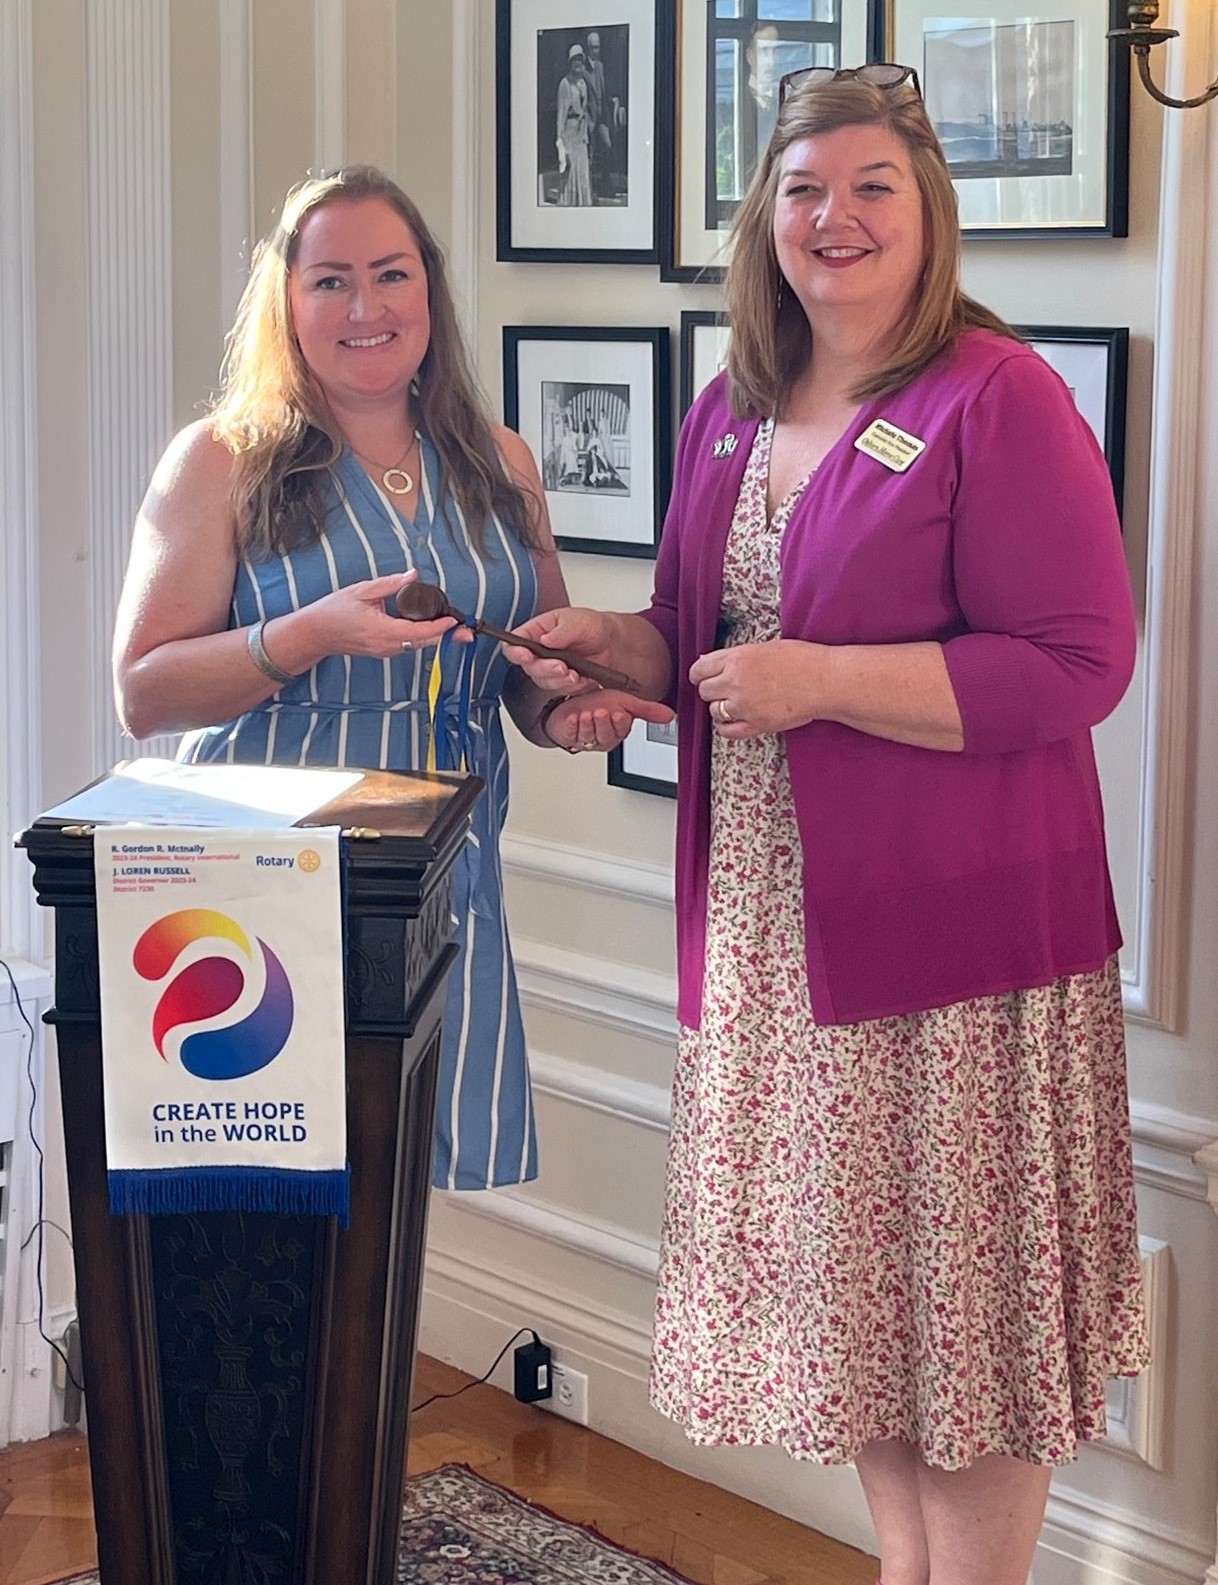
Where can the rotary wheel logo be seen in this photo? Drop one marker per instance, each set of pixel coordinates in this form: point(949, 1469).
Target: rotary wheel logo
point(209, 987)
point(309, 861)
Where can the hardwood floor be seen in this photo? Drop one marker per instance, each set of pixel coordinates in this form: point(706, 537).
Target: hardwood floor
point(46, 1525)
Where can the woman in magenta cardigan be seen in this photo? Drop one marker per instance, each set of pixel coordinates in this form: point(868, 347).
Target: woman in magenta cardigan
point(890, 604)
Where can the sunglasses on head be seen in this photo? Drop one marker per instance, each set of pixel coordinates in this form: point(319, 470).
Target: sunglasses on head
point(880, 74)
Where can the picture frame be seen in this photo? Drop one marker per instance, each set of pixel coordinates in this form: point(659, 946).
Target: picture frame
point(594, 404)
point(719, 79)
point(576, 163)
point(1030, 100)
point(1093, 360)
point(703, 352)
point(647, 760)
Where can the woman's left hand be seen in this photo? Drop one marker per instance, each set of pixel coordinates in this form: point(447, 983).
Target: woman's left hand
point(753, 689)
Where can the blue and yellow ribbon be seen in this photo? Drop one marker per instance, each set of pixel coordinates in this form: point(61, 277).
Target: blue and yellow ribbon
point(438, 753)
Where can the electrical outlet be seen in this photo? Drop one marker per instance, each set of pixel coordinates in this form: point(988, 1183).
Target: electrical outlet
point(570, 1396)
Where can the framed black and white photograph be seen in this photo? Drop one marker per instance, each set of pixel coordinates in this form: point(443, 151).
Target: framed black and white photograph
point(575, 112)
point(647, 760)
point(720, 65)
point(1094, 363)
point(593, 403)
point(1031, 105)
point(704, 338)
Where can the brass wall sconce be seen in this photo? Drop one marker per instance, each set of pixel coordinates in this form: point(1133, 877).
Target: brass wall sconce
point(1141, 35)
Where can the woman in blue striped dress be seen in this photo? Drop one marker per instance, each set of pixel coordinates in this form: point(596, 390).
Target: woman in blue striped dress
point(349, 451)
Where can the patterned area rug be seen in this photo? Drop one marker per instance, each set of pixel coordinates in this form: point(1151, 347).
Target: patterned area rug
point(459, 1529)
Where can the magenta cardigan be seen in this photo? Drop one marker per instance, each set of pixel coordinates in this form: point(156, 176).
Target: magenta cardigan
point(929, 877)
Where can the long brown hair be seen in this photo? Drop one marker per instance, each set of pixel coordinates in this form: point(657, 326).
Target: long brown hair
point(771, 339)
point(273, 414)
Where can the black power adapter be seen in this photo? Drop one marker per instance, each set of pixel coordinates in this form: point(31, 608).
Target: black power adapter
point(534, 1379)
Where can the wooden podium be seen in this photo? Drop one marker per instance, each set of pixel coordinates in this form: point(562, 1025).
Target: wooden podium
point(248, 1377)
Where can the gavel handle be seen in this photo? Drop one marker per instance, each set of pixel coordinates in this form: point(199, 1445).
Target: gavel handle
point(593, 670)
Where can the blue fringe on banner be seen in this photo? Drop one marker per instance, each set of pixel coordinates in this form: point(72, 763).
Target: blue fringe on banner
point(173, 1191)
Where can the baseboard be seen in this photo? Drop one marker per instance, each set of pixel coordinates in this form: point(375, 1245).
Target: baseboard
point(27, 1406)
point(470, 1309)
point(1089, 1541)
point(36, 1407)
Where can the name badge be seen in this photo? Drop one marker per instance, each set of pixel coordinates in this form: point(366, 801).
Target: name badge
point(890, 445)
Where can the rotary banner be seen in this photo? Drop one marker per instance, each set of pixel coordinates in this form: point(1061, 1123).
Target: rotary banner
point(221, 960)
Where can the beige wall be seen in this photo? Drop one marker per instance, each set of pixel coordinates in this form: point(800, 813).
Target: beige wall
point(571, 1254)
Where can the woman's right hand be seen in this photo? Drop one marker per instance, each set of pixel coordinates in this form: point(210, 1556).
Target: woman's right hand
point(354, 621)
point(579, 628)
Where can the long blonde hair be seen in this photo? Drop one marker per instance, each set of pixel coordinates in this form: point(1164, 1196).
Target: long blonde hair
point(771, 340)
point(273, 414)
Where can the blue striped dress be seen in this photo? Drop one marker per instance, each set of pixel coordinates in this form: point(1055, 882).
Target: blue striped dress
point(373, 714)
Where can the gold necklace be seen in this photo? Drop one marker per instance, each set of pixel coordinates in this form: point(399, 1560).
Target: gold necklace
point(390, 475)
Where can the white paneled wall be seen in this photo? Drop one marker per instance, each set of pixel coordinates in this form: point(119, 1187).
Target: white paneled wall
point(20, 693)
point(25, 1401)
point(130, 351)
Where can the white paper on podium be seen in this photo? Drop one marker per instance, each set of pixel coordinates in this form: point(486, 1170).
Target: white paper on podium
point(160, 792)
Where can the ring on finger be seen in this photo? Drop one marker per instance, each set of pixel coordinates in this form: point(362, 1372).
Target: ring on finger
point(722, 714)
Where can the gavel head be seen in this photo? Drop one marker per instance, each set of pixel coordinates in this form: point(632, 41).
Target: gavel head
point(421, 602)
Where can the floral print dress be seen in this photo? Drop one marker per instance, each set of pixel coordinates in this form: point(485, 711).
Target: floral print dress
point(918, 1227)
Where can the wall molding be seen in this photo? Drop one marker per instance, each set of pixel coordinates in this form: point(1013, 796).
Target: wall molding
point(532, 859)
point(615, 996)
point(130, 306)
point(329, 84)
point(1154, 982)
point(639, 1002)
point(535, 860)
point(1166, 1144)
point(21, 923)
point(607, 1333)
point(631, 1101)
point(471, 1303)
point(468, 30)
point(236, 151)
point(1207, 1161)
point(600, 1241)
point(1137, 1405)
point(1085, 1538)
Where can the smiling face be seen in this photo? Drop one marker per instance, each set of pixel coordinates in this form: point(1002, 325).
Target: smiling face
point(357, 291)
point(848, 224)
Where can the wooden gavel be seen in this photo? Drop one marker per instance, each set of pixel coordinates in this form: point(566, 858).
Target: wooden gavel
point(425, 602)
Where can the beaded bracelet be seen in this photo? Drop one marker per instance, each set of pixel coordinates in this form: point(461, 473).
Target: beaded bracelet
point(262, 660)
